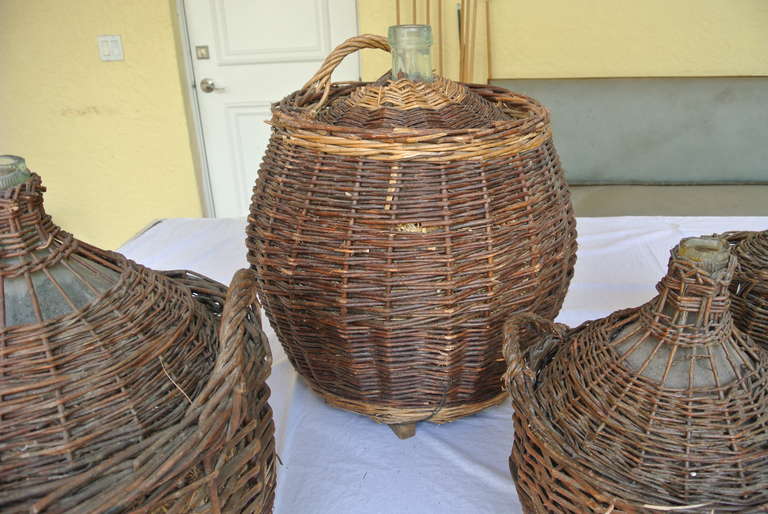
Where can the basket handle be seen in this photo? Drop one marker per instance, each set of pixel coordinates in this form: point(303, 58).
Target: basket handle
point(233, 333)
point(524, 357)
point(321, 81)
point(241, 298)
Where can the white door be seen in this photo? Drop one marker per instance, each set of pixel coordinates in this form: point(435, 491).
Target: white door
point(247, 54)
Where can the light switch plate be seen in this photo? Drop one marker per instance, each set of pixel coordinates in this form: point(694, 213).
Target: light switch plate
point(110, 48)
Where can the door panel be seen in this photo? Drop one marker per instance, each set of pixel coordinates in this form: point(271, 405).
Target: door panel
point(258, 52)
point(304, 38)
point(248, 136)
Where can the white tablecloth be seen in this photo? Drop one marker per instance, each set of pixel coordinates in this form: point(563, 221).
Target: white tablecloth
point(338, 462)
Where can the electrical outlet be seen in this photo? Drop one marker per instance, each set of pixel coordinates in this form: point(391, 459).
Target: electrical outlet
point(110, 48)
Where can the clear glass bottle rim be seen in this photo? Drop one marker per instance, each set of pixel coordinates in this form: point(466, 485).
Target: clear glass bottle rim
point(711, 252)
point(410, 35)
point(11, 163)
point(13, 171)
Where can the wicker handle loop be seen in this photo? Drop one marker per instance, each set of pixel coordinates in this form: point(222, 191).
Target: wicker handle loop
point(524, 357)
point(238, 312)
point(321, 81)
point(234, 360)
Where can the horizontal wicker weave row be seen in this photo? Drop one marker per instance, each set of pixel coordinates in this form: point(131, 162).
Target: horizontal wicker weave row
point(381, 106)
point(148, 398)
point(653, 409)
point(750, 284)
point(389, 254)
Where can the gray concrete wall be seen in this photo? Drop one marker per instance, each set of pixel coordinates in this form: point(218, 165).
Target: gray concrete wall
point(657, 130)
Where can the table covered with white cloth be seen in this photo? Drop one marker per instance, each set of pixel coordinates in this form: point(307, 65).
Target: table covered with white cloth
point(338, 462)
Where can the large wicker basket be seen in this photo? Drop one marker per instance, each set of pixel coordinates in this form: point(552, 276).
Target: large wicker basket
point(395, 225)
point(749, 289)
point(124, 389)
point(660, 408)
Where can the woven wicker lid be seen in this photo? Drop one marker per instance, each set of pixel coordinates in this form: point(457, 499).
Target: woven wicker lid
point(396, 102)
point(652, 404)
point(441, 103)
point(396, 120)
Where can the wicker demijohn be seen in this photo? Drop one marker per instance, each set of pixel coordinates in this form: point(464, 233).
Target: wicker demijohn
point(123, 389)
point(749, 289)
point(658, 408)
point(395, 225)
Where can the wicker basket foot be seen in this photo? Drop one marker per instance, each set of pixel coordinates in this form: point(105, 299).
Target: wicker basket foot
point(404, 430)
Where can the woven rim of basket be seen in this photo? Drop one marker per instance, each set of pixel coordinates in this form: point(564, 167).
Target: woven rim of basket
point(389, 415)
point(299, 126)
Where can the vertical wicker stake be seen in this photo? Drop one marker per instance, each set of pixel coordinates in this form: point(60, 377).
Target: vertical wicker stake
point(656, 408)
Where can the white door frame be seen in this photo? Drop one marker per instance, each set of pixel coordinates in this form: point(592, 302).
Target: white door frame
point(194, 120)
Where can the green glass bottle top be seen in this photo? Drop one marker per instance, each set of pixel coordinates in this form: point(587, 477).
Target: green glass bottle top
point(13, 171)
point(411, 52)
point(707, 252)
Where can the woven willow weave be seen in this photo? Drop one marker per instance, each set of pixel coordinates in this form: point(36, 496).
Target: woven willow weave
point(653, 409)
point(123, 389)
point(749, 289)
point(394, 227)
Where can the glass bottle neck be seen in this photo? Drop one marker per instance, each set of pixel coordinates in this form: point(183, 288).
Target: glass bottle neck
point(694, 295)
point(411, 52)
point(13, 171)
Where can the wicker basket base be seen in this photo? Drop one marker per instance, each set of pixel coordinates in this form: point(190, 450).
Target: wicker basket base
point(399, 416)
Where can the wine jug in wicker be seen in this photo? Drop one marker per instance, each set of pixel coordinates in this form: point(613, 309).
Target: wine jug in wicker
point(395, 225)
point(659, 408)
point(123, 389)
point(749, 289)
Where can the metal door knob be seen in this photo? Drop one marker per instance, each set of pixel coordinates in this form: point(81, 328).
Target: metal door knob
point(209, 86)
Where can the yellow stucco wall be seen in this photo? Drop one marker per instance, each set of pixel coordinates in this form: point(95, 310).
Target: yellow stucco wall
point(607, 38)
point(628, 38)
point(109, 139)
